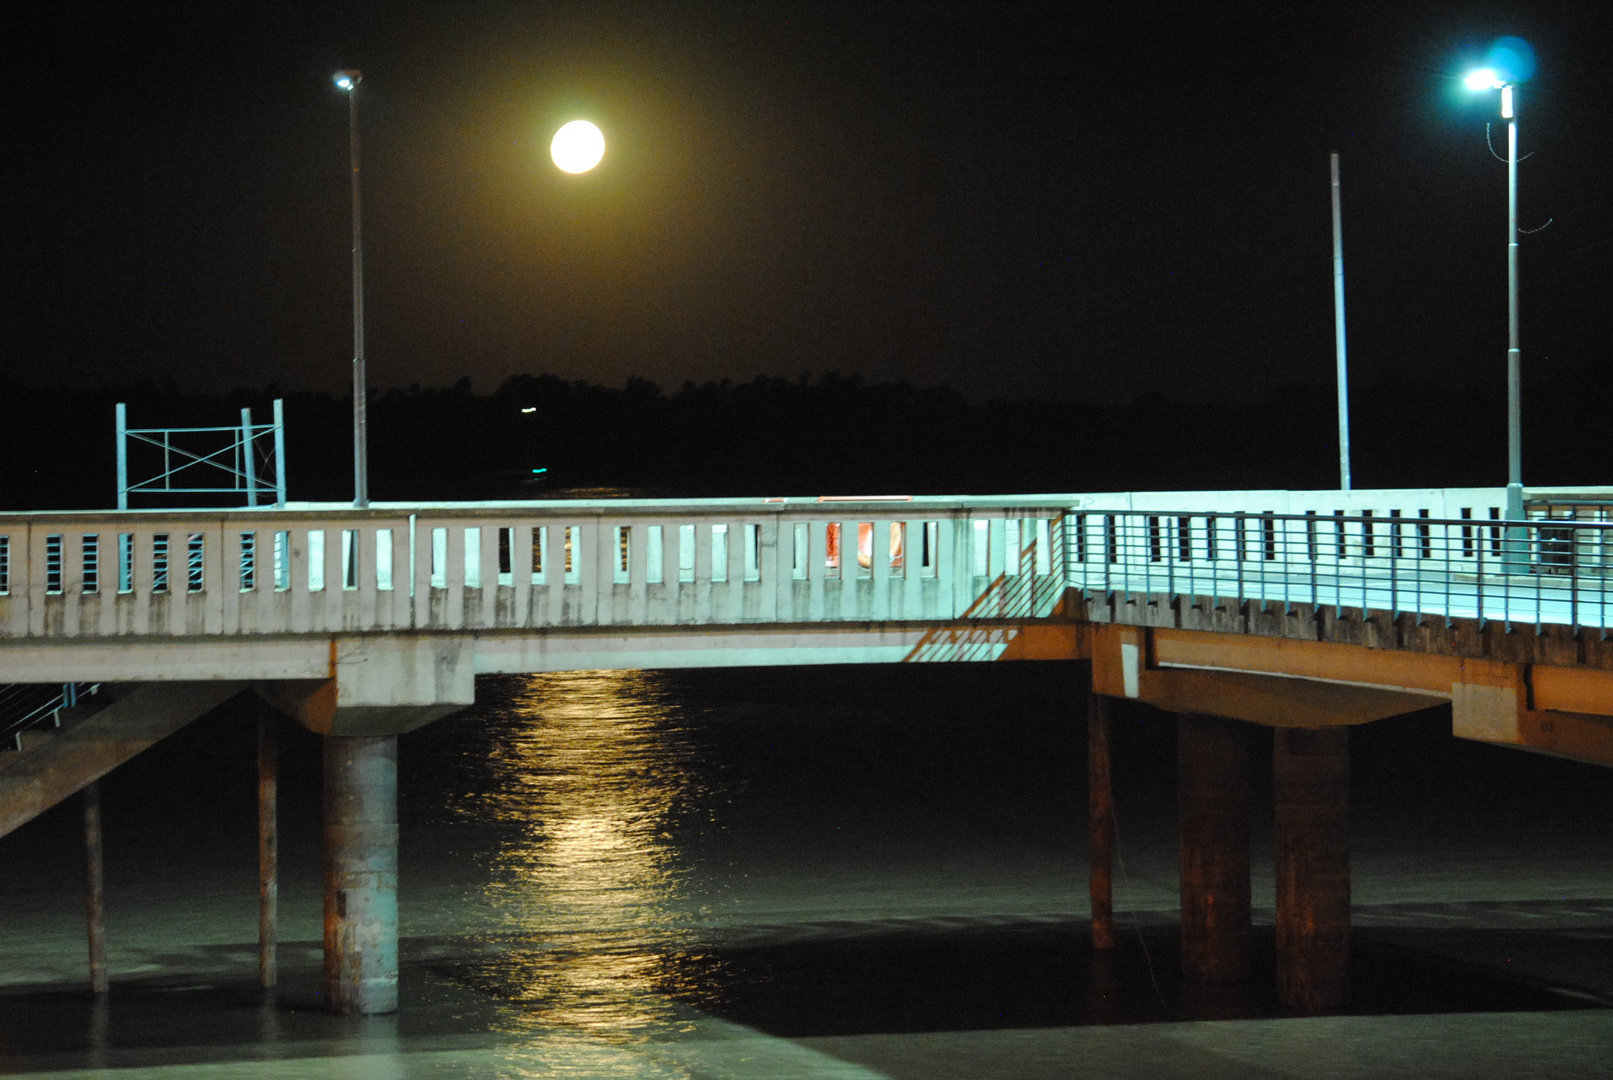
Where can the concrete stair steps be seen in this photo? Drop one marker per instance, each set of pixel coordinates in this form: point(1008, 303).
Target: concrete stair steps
point(95, 738)
point(32, 740)
point(66, 719)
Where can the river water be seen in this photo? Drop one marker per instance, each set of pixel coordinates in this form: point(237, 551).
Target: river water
point(835, 872)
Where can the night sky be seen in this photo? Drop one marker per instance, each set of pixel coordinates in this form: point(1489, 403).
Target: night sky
point(1077, 202)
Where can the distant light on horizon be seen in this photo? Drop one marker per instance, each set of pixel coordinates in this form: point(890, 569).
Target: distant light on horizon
point(577, 146)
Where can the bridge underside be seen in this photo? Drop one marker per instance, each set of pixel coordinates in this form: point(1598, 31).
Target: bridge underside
point(1543, 688)
point(1306, 673)
point(372, 684)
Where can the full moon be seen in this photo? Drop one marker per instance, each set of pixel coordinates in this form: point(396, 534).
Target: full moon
point(577, 146)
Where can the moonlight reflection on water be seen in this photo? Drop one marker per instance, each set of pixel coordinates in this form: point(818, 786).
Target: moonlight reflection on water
point(585, 777)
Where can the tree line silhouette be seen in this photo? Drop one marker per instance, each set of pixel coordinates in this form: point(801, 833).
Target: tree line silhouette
point(829, 434)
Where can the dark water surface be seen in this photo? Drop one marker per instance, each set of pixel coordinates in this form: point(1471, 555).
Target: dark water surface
point(817, 871)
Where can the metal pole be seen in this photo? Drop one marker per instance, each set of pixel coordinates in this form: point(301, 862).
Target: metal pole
point(1516, 557)
point(279, 454)
point(123, 455)
point(1514, 354)
point(95, 888)
point(1338, 333)
point(249, 470)
point(361, 479)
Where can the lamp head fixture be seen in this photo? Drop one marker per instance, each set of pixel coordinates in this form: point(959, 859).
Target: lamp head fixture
point(1484, 79)
point(346, 80)
point(1490, 79)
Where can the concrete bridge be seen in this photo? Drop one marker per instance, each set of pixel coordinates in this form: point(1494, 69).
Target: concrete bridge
point(1303, 612)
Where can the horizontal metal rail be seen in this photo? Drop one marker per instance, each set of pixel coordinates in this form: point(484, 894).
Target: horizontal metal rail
point(25, 707)
point(1539, 571)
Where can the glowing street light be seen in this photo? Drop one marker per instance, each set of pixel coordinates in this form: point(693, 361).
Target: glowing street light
point(1484, 79)
point(348, 81)
point(577, 147)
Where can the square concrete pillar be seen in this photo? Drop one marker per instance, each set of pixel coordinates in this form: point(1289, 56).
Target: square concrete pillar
point(1311, 770)
point(1213, 794)
point(1100, 823)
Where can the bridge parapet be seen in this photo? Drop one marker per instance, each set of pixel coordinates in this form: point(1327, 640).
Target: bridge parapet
point(525, 566)
point(1542, 571)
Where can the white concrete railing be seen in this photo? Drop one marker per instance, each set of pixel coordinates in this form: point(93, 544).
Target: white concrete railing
point(486, 566)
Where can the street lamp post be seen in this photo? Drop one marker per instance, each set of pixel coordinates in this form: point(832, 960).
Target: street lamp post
point(348, 81)
point(1488, 79)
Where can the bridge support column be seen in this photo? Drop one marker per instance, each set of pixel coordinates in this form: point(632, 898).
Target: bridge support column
point(1311, 770)
point(95, 888)
point(268, 846)
point(1213, 792)
point(1100, 822)
point(361, 874)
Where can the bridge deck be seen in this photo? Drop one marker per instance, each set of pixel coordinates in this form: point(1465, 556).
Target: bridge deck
point(404, 605)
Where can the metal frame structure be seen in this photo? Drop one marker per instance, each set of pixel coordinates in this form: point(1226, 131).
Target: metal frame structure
point(243, 457)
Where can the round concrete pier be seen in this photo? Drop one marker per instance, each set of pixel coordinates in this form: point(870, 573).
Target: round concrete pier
point(361, 874)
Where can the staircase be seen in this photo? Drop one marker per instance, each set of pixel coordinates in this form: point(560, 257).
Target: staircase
point(93, 737)
point(25, 707)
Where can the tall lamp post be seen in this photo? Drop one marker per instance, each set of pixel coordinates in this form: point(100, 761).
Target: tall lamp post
point(1489, 79)
point(348, 81)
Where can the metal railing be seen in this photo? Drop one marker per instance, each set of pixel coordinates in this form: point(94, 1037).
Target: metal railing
point(459, 567)
point(25, 707)
point(1540, 571)
point(245, 459)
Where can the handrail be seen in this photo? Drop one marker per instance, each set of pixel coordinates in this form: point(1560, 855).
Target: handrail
point(1540, 571)
point(27, 706)
point(457, 567)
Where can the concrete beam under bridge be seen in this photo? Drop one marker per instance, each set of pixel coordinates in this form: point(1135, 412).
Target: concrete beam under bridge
point(1556, 709)
point(1126, 663)
point(381, 686)
point(1281, 682)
